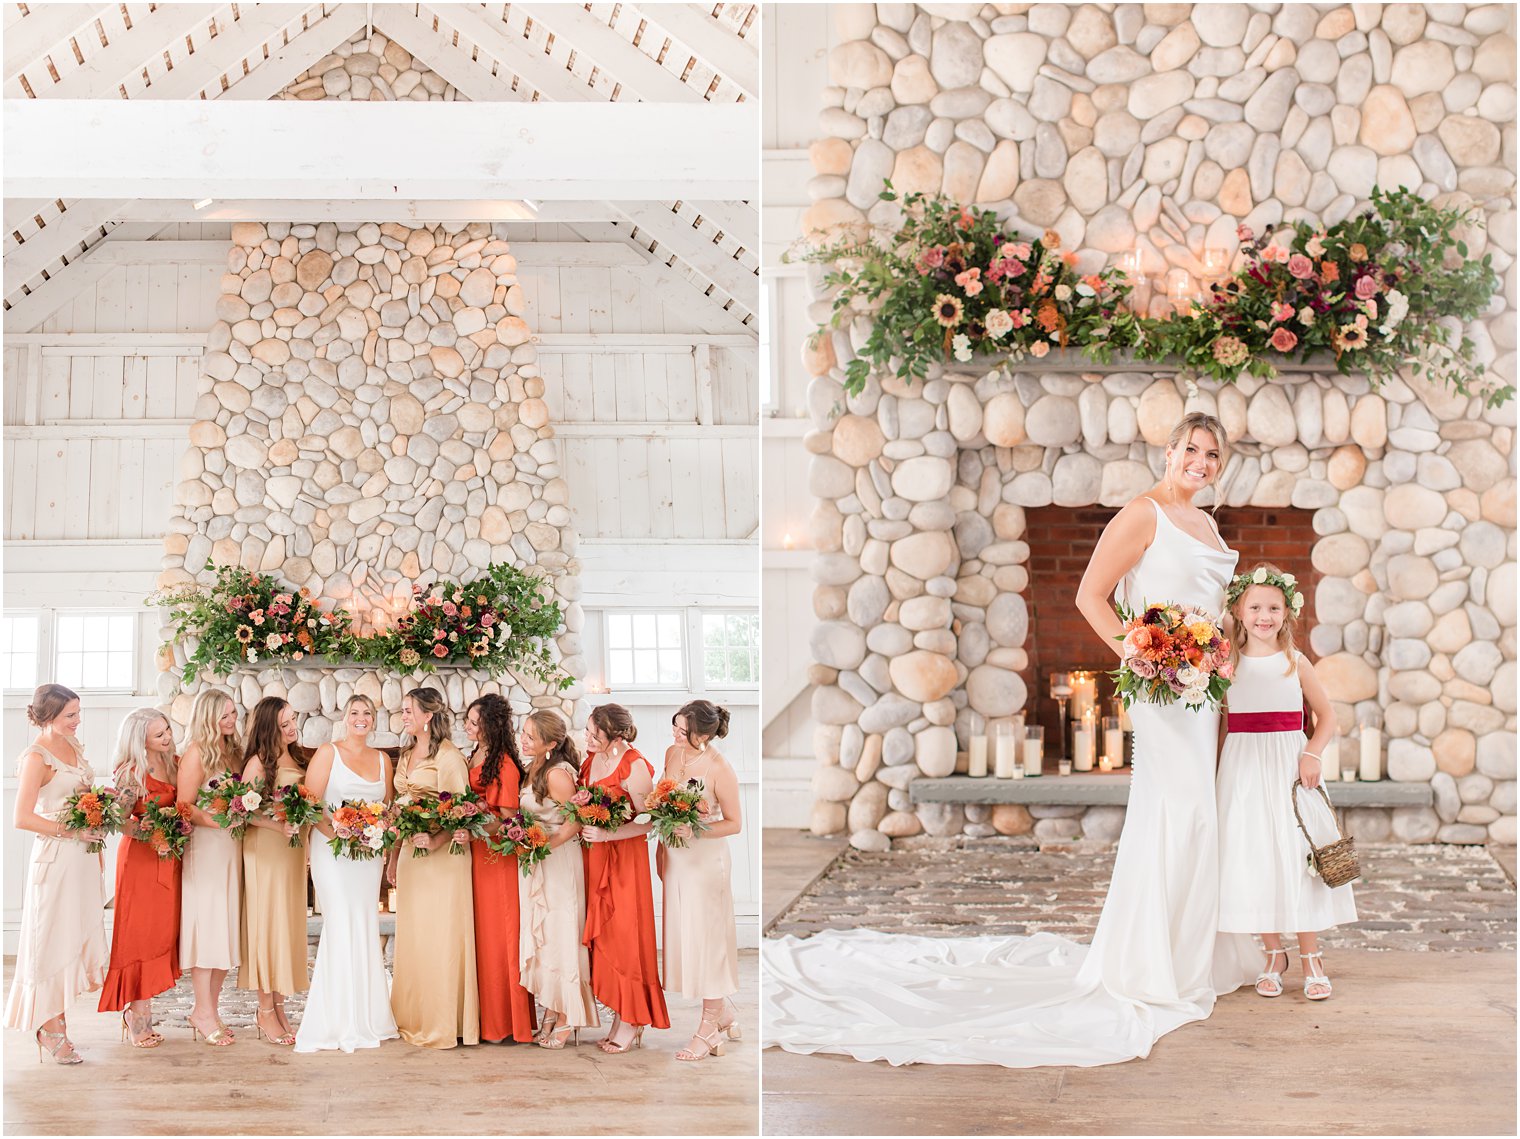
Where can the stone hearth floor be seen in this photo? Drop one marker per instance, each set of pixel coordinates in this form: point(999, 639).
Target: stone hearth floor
point(1445, 898)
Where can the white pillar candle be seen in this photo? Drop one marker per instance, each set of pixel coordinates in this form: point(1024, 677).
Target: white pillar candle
point(1113, 745)
point(977, 762)
point(1330, 762)
point(1007, 755)
point(1083, 741)
point(1084, 694)
point(1034, 755)
point(1372, 754)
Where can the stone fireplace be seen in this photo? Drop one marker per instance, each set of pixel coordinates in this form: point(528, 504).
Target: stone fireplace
point(371, 415)
point(924, 531)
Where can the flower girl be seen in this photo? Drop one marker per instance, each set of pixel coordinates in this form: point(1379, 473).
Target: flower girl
point(1265, 883)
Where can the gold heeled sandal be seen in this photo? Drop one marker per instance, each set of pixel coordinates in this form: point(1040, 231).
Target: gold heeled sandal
point(285, 1038)
point(559, 1037)
point(129, 1031)
point(612, 1049)
point(712, 1045)
point(217, 1039)
point(730, 1027)
point(55, 1050)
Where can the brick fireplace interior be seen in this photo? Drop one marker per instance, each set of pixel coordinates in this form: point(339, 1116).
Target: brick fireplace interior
point(1061, 540)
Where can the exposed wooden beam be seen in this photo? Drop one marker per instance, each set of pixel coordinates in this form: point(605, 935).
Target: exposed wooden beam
point(739, 220)
point(408, 211)
point(489, 34)
point(602, 254)
point(674, 288)
point(20, 212)
point(105, 68)
point(60, 238)
point(637, 72)
point(244, 39)
point(732, 57)
point(172, 343)
point(331, 149)
point(27, 312)
point(697, 249)
point(44, 27)
point(415, 32)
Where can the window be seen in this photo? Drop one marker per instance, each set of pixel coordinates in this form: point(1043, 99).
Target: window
point(731, 649)
point(645, 650)
point(18, 651)
point(96, 650)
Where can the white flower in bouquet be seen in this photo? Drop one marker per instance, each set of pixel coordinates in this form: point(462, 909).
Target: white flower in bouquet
point(1195, 694)
point(252, 800)
point(1188, 676)
point(962, 347)
point(1063, 292)
point(1398, 309)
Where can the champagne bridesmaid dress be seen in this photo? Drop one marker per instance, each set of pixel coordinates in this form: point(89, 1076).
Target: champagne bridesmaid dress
point(145, 934)
point(274, 906)
point(556, 967)
point(434, 992)
point(211, 892)
point(625, 965)
point(506, 1008)
point(701, 943)
point(62, 949)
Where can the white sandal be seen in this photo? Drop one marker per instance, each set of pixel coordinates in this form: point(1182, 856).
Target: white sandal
point(1272, 980)
point(1315, 978)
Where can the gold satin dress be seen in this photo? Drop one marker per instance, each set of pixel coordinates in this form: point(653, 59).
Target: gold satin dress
point(433, 988)
point(274, 907)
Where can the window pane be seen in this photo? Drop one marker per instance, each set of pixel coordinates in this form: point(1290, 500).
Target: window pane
point(121, 633)
point(619, 631)
point(712, 629)
point(738, 666)
point(670, 630)
point(70, 634)
point(670, 666)
point(736, 628)
point(646, 666)
point(712, 666)
point(18, 635)
point(92, 672)
point(120, 670)
point(620, 667)
point(643, 630)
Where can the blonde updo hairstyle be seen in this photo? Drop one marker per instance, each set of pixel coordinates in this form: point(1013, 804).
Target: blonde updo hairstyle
point(1193, 421)
point(220, 754)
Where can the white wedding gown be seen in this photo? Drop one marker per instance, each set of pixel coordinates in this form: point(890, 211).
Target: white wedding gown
point(349, 1005)
point(1156, 962)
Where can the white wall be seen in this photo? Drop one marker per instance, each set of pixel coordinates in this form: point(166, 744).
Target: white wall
point(796, 46)
point(98, 402)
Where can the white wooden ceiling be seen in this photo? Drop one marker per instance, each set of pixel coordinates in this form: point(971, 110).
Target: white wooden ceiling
point(677, 54)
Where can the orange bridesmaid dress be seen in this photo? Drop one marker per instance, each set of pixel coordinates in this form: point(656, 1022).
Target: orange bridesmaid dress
point(506, 1008)
point(145, 933)
point(625, 965)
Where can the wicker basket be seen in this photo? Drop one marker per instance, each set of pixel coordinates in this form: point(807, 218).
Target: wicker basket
point(1335, 862)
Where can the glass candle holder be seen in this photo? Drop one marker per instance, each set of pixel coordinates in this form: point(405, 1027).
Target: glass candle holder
point(976, 747)
point(1064, 767)
point(1034, 751)
point(1113, 741)
point(1006, 747)
point(1371, 753)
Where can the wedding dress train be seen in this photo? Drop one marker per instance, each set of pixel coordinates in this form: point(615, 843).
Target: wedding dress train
point(1155, 963)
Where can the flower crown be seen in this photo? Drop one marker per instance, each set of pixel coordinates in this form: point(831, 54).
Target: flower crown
point(1263, 576)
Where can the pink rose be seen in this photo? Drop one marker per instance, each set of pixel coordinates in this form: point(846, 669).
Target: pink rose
point(1039, 349)
point(1300, 266)
point(1243, 232)
point(1283, 340)
point(933, 257)
point(516, 833)
point(440, 650)
point(1227, 670)
point(970, 280)
point(581, 797)
point(1141, 667)
point(1366, 288)
point(1281, 311)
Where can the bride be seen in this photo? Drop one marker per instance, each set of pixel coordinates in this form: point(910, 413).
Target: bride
point(349, 1005)
point(1157, 960)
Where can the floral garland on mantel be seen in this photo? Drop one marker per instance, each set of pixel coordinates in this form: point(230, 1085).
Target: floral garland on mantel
point(493, 623)
point(1381, 291)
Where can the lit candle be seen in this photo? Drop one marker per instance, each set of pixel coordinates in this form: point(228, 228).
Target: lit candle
point(1007, 749)
point(1113, 740)
point(1084, 736)
point(1084, 694)
point(1179, 291)
point(977, 763)
point(786, 541)
point(1064, 767)
point(1105, 764)
point(1034, 751)
point(1330, 761)
point(1372, 752)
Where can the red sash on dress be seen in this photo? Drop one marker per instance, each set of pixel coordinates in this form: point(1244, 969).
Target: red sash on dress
point(1266, 722)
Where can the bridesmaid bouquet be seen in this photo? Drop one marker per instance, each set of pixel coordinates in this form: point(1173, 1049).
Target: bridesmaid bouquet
point(360, 830)
point(295, 804)
point(93, 809)
point(413, 815)
point(523, 837)
point(464, 817)
point(672, 805)
point(229, 802)
point(595, 806)
point(1172, 652)
point(166, 829)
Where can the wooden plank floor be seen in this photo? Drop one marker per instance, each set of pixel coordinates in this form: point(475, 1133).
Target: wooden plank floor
point(794, 860)
point(253, 1087)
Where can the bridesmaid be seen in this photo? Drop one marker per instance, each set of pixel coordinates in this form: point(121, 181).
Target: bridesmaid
point(274, 874)
point(210, 885)
point(433, 989)
point(556, 968)
point(625, 971)
point(506, 1008)
point(701, 944)
point(62, 951)
point(145, 935)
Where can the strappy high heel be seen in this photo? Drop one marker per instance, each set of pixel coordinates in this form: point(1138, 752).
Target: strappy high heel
point(129, 1031)
point(712, 1045)
point(218, 1039)
point(60, 1040)
point(559, 1036)
point(607, 1045)
point(1315, 978)
point(283, 1038)
point(1269, 982)
point(730, 1027)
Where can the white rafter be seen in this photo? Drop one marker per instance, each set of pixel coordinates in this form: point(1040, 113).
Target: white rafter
point(732, 57)
point(490, 36)
point(42, 302)
point(43, 28)
point(695, 246)
point(637, 72)
point(105, 69)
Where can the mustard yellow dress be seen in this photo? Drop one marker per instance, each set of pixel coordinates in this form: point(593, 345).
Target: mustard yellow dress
point(433, 988)
point(274, 907)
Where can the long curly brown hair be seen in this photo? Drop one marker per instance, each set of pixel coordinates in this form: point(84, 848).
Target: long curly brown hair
point(266, 741)
point(498, 737)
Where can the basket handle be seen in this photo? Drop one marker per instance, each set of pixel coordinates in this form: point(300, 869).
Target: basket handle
point(1334, 814)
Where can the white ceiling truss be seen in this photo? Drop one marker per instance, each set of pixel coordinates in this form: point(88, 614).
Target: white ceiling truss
point(526, 52)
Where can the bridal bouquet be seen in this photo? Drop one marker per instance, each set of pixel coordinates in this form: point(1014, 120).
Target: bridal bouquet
point(523, 837)
point(295, 804)
point(462, 817)
point(672, 805)
point(1172, 652)
point(595, 806)
point(166, 829)
point(360, 830)
point(229, 802)
point(93, 809)
point(412, 815)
